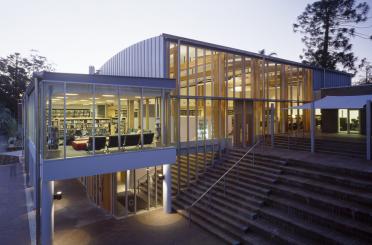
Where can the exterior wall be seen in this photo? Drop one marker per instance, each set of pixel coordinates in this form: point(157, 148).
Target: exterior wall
point(348, 90)
point(330, 79)
point(143, 59)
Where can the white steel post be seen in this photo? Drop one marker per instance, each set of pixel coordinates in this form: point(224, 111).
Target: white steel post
point(47, 214)
point(312, 127)
point(368, 129)
point(167, 188)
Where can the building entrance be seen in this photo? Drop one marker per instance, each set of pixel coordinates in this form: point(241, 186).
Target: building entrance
point(243, 123)
point(349, 121)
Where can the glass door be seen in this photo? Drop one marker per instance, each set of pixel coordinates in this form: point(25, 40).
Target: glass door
point(354, 121)
point(342, 120)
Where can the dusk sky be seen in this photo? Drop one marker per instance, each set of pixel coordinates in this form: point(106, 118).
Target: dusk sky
point(76, 34)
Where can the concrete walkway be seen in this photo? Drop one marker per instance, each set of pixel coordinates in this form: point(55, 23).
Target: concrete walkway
point(78, 221)
point(14, 225)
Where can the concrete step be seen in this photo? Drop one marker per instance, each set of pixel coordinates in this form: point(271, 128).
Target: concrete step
point(258, 185)
point(248, 196)
point(338, 179)
point(250, 202)
point(307, 228)
point(207, 223)
point(325, 202)
point(337, 191)
point(309, 212)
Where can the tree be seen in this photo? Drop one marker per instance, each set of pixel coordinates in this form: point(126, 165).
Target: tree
point(327, 27)
point(15, 75)
point(365, 68)
point(8, 125)
point(263, 52)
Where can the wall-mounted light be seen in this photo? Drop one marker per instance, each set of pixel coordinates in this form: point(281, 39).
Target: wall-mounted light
point(57, 195)
point(161, 176)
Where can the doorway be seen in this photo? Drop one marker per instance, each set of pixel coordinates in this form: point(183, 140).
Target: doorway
point(349, 121)
point(243, 123)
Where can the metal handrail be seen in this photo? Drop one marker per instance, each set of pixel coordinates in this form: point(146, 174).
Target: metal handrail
point(219, 179)
point(143, 176)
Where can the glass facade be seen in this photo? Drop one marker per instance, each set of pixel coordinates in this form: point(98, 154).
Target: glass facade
point(82, 119)
point(224, 98)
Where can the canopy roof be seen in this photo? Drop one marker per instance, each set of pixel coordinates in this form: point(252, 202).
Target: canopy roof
point(338, 102)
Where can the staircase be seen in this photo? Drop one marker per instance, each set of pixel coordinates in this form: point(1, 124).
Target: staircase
point(195, 162)
point(335, 147)
point(277, 201)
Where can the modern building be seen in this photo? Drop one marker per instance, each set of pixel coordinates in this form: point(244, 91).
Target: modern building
point(158, 102)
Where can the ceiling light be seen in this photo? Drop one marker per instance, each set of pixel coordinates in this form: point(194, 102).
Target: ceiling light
point(123, 99)
point(84, 100)
point(71, 94)
point(60, 97)
point(108, 95)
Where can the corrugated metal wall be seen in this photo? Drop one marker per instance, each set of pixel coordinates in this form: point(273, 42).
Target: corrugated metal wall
point(143, 59)
point(329, 79)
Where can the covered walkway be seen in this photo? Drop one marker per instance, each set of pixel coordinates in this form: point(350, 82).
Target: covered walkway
point(79, 221)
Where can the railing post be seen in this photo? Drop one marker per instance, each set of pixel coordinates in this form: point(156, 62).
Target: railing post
point(272, 123)
point(368, 129)
point(312, 127)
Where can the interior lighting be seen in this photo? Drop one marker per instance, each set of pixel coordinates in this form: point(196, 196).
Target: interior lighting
point(108, 95)
point(71, 94)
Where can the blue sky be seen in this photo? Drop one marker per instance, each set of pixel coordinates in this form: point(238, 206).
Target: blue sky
point(76, 34)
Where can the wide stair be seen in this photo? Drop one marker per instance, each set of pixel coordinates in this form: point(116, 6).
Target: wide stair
point(335, 147)
point(277, 201)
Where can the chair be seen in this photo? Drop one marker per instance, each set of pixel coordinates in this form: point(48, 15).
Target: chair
point(114, 141)
point(148, 138)
point(100, 143)
point(131, 140)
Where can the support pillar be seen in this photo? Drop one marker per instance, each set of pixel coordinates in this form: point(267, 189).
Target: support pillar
point(368, 129)
point(312, 127)
point(47, 212)
point(272, 123)
point(167, 188)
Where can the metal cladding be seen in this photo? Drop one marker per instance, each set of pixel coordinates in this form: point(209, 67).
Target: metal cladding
point(330, 79)
point(148, 59)
point(143, 59)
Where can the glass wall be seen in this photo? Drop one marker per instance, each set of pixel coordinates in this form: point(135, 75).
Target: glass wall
point(137, 190)
point(83, 119)
point(228, 97)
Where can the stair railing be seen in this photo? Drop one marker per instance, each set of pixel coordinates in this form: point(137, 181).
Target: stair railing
point(139, 180)
point(222, 178)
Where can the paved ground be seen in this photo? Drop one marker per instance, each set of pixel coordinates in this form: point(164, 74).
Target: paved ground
point(14, 226)
point(78, 221)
